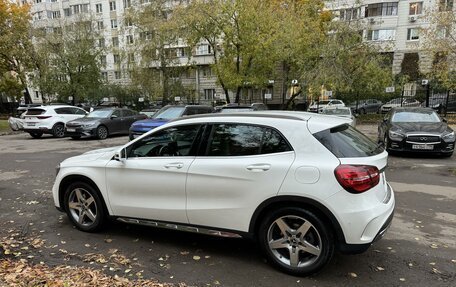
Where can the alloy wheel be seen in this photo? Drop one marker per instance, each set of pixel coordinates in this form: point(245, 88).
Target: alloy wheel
point(82, 207)
point(102, 132)
point(59, 131)
point(294, 241)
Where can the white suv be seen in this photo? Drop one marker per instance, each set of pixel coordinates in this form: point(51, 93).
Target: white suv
point(50, 119)
point(318, 106)
point(302, 184)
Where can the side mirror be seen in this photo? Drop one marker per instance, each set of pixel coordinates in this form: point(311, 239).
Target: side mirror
point(113, 117)
point(121, 155)
point(444, 120)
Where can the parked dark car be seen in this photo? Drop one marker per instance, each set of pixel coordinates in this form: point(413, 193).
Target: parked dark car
point(164, 115)
point(366, 106)
point(418, 130)
point(441, 104)
point(102, 123)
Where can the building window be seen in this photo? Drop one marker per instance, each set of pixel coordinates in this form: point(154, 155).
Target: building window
point(55, 14)
point(130, 39)
point(144, 1)
point(349, 14)
point(100, 25)
point(117, 75)
point(116, 59)
point(99, 8)
point(209, 94)
point(413, 34)
point(67, 12)
point(203, 50)
point(181, 52)
point(115, 42)
point(76, 9)
point(101, 42)
point(416, 8)
point(112, 6)
point(381, 9)
point(113, 23)
point(104, 75)
point(145, 35)
point(103, 60)
point(126, 3)
point(207, 72)
point(381, 35)
point(445, 5)
point(128, 22)
point(131, 58)
point(37, 94)
point(85, 8)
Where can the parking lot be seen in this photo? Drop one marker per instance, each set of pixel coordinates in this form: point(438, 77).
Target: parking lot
point(418, 250)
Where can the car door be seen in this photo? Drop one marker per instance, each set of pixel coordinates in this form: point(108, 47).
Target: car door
point(115, 122)
point(241, 166)
point(150, 183)
point(127, 119)
point(66, 114)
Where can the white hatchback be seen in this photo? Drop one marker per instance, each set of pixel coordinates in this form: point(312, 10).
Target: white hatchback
point(50, 119)
point(302, 184)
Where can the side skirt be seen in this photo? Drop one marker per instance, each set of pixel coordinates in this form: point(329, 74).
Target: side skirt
point(174, 226)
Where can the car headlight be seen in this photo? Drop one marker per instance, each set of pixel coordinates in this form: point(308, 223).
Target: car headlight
point(57, 169)
point(88, 125)
point(449, 137)
point(396, 135)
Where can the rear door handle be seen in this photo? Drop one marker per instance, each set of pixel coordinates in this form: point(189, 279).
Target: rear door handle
point(259, 167)
point(176, 165)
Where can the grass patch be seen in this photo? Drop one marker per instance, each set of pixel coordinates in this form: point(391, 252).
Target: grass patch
point(4, 126)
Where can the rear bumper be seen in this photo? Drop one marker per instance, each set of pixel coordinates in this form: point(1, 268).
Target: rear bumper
point(438, 148)
point(43, 130)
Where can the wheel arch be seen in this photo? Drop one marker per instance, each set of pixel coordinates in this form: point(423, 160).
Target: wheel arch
point(69, 179)
point(296, 201)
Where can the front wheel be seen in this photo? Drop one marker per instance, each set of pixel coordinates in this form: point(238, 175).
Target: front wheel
point(296, 241)
point(58, 130)
point(102, 132)
point(84, 207)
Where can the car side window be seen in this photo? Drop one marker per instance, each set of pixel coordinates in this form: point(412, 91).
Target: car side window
point(64, 111)
point(190, 111)
point(244, 140)
point(173, 141)
point(117, 113)
point(78, 111)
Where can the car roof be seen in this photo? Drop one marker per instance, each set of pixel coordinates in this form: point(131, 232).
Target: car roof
point(52, 107)
point(318, 121)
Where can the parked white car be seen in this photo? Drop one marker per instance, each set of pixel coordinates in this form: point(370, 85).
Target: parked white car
point(399, 102)
point(344, 112)
point(243, 174)
point(50, 119)
point(319, 106)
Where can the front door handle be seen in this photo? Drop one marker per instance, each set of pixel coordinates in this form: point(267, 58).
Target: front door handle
point(176, 165)
point(259, 167)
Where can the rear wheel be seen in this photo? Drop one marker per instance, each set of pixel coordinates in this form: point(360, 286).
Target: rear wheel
point(36, 135)
point(58, 130)
point(296, 241)
point(84, 207)
point(102, 132)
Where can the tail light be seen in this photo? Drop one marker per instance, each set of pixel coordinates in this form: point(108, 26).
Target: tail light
point(43, 117)
point(357, 178)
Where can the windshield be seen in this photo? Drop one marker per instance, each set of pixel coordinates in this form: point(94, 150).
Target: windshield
point(169, 113)
point(322, 103)
point(394, 101)
point(100, 114)
point(231, 110)
point(336, 112)
point(415, 117)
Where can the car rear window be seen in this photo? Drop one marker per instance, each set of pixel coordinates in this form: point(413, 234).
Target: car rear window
point(35, 112)
point(345, 141)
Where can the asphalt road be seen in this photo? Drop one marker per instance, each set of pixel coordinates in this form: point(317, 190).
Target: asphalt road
point(418, 250)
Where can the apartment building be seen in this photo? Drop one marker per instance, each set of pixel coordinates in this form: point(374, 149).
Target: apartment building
point(395, 26)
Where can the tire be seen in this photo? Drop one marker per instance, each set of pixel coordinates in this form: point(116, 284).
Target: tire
point(58, 130)
point(84, 207)
point(36, 135)
point(102, 132)
point(296, 229)
point(362, 111)
point(75, 137)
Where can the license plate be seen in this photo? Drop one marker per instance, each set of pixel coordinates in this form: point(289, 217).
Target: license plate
point(423, 146)
point(31, 124)
point(71, 130)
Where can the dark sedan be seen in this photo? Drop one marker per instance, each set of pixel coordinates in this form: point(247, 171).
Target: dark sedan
point(366, 106)
point(418, 130)
point(103, 122)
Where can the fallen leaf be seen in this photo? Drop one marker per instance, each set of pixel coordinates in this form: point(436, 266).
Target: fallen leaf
point(380, 268)
point(184, 253)
point(354, 275)
point(108, 240)
point(196, 258)
point(402, 279)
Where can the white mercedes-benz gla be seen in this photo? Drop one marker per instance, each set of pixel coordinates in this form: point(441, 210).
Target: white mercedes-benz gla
point(302, 184)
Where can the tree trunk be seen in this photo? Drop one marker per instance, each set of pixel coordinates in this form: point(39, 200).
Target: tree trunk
point(291, 99)
point(238, 95)
point(27, 97)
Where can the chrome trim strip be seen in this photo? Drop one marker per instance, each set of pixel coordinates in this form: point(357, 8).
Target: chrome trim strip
point(179, 227)
point(421, 143)
point(424, 135)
